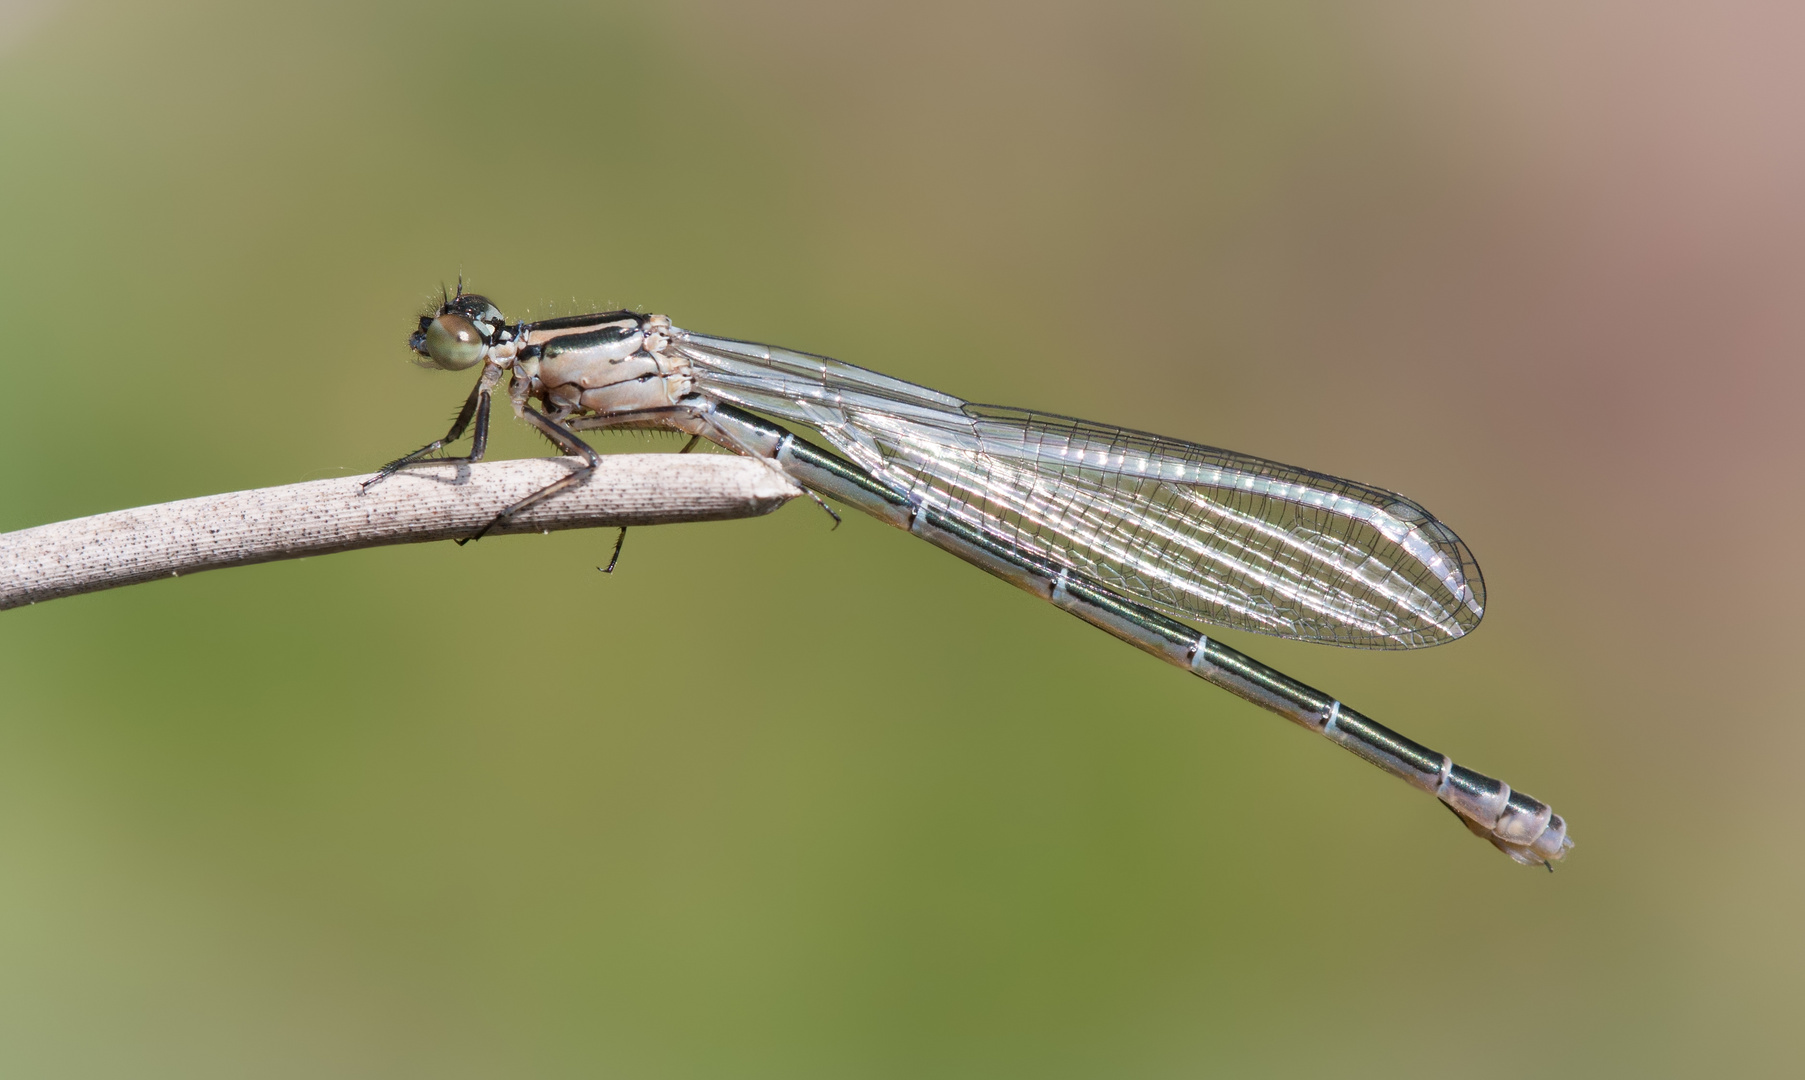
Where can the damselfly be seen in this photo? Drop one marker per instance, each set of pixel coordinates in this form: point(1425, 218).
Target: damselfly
point(1131, 532)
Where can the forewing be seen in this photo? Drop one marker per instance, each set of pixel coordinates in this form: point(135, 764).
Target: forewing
point(1191, 530)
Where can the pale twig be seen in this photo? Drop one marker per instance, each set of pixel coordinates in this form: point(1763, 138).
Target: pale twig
point(444, 501)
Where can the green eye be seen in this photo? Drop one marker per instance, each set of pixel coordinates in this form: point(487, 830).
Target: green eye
point(453, 343)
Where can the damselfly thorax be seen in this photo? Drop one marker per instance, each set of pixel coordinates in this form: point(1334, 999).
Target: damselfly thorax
point(608, 364)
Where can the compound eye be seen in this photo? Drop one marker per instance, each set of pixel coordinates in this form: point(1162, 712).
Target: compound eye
point(453, 343)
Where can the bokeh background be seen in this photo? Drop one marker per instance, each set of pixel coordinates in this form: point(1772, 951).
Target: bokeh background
point(775, 801)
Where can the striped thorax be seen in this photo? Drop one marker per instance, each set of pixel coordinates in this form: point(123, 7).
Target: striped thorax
point(605, 364)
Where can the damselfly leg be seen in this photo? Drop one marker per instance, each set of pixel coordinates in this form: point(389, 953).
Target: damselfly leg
point(566, 441)
point(476, 407)
point(695, 421)
point(621, 537)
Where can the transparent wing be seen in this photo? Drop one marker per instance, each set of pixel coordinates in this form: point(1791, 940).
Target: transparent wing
point(1194, 531)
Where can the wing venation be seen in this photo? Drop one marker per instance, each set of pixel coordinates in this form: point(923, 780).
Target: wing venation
point(1194, 531)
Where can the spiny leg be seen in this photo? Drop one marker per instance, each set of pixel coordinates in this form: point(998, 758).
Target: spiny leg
point(823, 505)
point(566, 441)
point(597, 423)
point(621, 538)
point(476, 406)
point(685, 418)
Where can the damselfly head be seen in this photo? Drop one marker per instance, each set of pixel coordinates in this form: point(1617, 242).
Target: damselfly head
point(454, 337)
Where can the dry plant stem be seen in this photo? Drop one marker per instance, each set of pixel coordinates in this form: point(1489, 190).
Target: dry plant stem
point(429, 502)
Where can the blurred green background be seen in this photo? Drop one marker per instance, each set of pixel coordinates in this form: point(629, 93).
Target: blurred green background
point(775, 801)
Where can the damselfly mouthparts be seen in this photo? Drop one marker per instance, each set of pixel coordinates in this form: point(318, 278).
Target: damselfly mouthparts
point(1130, 532)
